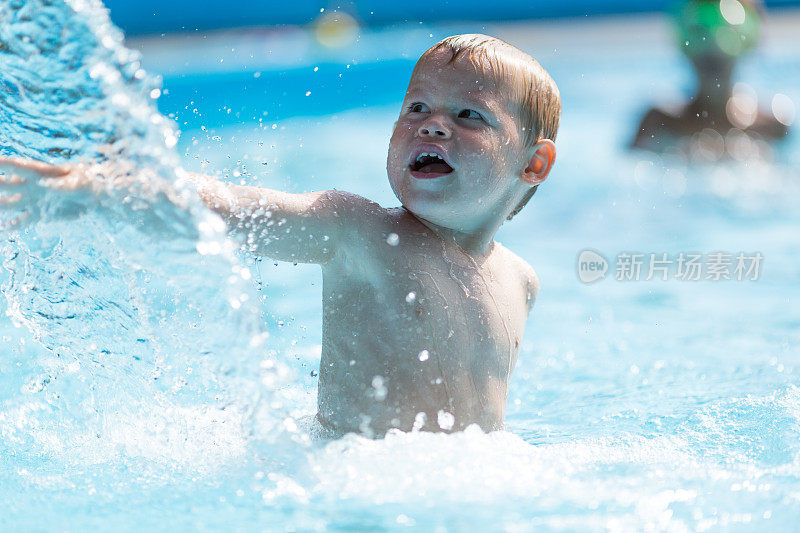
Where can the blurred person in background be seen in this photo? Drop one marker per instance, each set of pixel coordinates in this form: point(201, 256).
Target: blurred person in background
point(714, 34)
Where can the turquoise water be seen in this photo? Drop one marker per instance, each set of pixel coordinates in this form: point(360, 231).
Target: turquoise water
point(152, 377)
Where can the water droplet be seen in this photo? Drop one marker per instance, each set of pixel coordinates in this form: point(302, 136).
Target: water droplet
point(423, 355)
point(314, 373)
point(411, 296)
point(393, 239)
point(380, 390)
point(419, 421)
point(446, 420)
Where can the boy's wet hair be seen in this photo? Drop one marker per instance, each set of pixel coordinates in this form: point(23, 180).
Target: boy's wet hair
point(534, 90)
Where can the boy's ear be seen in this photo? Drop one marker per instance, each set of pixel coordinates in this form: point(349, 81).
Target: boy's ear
point(544, 155)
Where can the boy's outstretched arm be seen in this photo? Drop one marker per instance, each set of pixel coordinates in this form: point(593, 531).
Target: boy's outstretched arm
point(303, 228)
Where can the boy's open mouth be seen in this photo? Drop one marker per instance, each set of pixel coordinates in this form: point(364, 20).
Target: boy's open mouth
point(430, 164)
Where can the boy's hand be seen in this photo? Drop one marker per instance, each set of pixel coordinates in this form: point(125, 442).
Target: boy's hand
point(18, 173)
point(20, 178)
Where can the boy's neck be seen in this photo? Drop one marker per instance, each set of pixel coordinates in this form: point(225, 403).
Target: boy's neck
point(476, 243)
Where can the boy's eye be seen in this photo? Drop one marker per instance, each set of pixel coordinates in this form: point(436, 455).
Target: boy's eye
point(417, 107)
point(470, 113)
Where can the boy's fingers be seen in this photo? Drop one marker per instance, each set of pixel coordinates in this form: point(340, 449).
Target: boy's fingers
point(30, 168)
point(12, 179)
point(10, 201)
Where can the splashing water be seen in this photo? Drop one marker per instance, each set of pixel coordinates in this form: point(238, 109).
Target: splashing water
point(134, 333)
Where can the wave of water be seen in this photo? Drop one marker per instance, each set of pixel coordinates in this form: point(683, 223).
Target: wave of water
point(131, 330)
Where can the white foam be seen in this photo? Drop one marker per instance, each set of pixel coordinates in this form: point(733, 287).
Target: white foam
point(177, 437)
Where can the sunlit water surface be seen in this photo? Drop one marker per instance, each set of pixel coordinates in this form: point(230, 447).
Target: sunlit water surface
point(153, 377)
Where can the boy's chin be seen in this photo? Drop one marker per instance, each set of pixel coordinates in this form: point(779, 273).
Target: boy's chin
point(433, 212)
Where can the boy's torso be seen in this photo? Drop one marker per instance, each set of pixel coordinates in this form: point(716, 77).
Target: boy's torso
point(412, 325)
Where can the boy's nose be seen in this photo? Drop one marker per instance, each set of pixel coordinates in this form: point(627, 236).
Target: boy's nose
point(434, 128)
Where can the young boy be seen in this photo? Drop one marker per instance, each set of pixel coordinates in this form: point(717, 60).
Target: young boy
point(423, 312)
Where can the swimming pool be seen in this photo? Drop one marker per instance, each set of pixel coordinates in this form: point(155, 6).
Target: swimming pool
point(162, 386)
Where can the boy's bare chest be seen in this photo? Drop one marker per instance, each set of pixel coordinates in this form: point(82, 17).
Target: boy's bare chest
point(426, 298)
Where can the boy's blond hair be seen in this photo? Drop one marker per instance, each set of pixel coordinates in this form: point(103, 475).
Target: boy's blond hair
point(533, 88)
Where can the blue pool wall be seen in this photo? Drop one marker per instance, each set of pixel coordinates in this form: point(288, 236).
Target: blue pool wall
point(157, 16)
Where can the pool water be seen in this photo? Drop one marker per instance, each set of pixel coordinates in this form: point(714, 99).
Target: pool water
point(165, 384)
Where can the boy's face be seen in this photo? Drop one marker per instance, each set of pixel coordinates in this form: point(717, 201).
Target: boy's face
point(467, 120)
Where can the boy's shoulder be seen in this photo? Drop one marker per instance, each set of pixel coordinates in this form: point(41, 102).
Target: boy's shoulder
point(350, 203)
point(363, 215)
point(357, 208)
point(352, 211)
point(358, 219)
point(520, 268)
